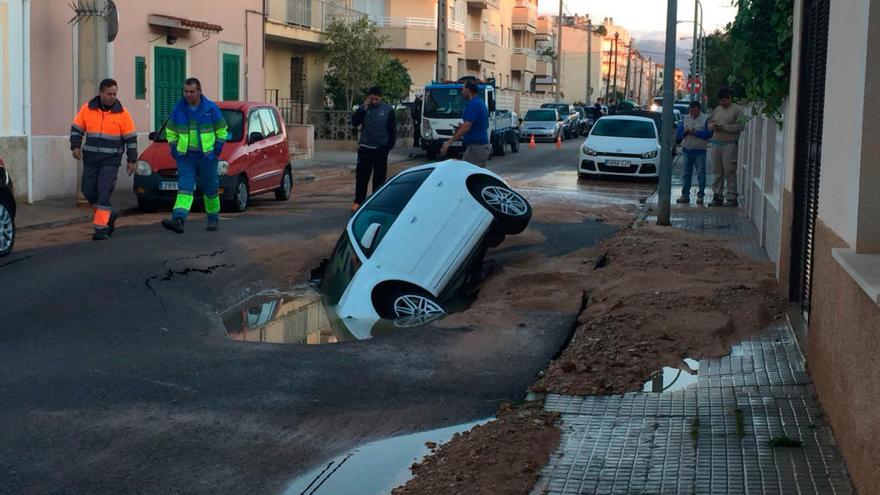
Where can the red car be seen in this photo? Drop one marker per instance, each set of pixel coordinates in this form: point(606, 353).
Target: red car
point(255, 160)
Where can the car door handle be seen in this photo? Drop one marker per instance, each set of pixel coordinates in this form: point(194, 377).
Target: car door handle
point(414, 219)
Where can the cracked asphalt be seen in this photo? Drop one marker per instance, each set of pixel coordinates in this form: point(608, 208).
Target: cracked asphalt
point(117, 376)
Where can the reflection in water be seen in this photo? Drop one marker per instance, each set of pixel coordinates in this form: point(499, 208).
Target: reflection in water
point(299, 318)
point(373, 468)
point(672, 379)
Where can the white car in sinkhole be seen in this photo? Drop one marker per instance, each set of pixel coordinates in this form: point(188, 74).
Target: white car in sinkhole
point(412, 244)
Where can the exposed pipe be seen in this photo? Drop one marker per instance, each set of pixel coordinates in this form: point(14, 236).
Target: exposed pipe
point(26, 44)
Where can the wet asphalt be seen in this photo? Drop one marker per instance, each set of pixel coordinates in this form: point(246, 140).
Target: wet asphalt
point(117, 376)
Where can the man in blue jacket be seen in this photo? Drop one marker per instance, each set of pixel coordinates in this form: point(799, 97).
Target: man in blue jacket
point(196, 132)
point(694, 132)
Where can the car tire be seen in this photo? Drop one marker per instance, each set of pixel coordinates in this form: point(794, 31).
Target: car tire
point(512, 212)
point(241, 196)
point(497, 146)
point(7, 229)
point(409, 307)
point(584, 176)
point(283, 192)
point(147, 205)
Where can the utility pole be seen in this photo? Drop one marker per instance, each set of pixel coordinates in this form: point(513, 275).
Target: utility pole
point(608, 75)
point(693, 78)
point(641, 75)
point(629, 55)
point(589, 59)
point(614, 93)
point(559, 53)
point(664, 187)
point(442, 23)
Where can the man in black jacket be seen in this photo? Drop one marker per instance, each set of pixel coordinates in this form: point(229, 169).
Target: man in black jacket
point(377, 137)
point(417, 121)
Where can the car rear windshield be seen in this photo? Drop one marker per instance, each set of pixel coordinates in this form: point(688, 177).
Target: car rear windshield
point(540, 116)
point(563, 108)
point(623, 128)
point(234, 123)
point(446, 103)
point(385, 206)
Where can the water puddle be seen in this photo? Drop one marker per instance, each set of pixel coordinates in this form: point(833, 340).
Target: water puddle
point(671, 379)
point(373, 468)
point(301, 317)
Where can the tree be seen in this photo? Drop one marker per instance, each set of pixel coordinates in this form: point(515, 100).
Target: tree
point(354, 56)
point(394, 80)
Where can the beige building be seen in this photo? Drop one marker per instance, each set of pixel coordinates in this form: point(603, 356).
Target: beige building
point(810, 187)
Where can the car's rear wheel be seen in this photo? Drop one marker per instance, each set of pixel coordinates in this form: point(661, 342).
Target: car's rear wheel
point(511, 211)
point(283, 192)
point(147, 205)
point(410, 306)
point(7, 229)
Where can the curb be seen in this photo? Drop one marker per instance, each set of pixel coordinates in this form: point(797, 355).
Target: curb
point(73, 220)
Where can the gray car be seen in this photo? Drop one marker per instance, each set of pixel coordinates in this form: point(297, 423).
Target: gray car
point(570, 118)
point(543, 124)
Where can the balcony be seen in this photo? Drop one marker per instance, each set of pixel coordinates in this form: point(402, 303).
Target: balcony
point(304, 21)
point(419, 33)
point(545, 29)
point(483, 47)
point(523, 60)
point(482, 4)
point(544, 66)
point(525, 16)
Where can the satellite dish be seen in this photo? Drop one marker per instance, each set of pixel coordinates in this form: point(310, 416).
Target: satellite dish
point(111, 15)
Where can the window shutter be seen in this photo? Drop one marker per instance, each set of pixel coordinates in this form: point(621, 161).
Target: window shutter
point(140, 78)
point(230, 77)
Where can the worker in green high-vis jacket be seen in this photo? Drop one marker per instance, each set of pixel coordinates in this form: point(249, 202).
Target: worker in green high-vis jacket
point(196, 132)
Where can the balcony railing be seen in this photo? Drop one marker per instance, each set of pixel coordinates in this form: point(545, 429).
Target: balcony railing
point(524, 51)
point(491, 38)
point(414, 22)
point(310, 14)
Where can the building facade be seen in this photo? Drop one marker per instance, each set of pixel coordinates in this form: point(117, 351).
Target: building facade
point(809, 184)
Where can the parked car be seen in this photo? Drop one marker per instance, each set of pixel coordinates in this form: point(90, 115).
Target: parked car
point(7, 211)
point(621, 145)
point(255, 160)
point(583, 121)
point(569, 118)
point(543, 124)
point(414, 242)
point(592, 116)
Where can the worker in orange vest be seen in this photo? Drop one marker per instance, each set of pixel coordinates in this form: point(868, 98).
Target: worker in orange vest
point(109, 133)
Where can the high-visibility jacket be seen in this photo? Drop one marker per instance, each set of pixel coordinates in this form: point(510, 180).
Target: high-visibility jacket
point(202, 129)
point(107, 132)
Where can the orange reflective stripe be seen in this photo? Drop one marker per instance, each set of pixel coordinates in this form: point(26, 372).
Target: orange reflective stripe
point(102, 217)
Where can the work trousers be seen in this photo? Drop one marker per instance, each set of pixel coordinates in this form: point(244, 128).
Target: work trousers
point(370, 162)
point(98, 182)
point(691, 161)
point(724, 169)
point(477, 154)
point(191, 167)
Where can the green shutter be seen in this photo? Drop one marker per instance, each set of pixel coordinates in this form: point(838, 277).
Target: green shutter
point(140, 78)
point(230, 77)
point(169, 74)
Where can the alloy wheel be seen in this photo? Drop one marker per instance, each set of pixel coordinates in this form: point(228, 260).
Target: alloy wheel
point(504, 201)
point(413, 310)
point(7, 232)
point(241, 196)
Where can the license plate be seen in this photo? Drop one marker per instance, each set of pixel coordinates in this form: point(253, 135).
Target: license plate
point(617, 163)
point(455, 144)
point(168, 186)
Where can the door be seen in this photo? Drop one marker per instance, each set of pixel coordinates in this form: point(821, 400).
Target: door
point(169, 75)
point(274, 151)
point(256, 166)
point(231, 67)
point(808, 148)
point(297, 91)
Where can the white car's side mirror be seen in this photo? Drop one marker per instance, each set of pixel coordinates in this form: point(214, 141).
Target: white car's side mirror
point(370, 235)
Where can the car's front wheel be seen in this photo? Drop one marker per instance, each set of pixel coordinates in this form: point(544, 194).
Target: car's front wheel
point(7, 229)
point(240, 197)
point(411, 307)
point(511, 211)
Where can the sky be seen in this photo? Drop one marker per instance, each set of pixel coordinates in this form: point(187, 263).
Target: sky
point(646, 19)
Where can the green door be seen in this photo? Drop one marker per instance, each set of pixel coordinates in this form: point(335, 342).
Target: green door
point(169, 74)
point(230, 77)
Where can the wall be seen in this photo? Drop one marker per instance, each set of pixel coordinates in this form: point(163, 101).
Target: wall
point(53, 53)
point(13, 150)
point(277, 71)
point(11, 69)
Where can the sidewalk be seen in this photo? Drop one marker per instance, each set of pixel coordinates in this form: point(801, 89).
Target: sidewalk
point(708, 433)
point(56, 212)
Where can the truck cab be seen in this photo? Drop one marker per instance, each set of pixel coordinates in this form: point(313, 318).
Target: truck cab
point(442, 108)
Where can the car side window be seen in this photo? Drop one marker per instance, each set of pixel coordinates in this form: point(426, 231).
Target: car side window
point(341, 267)
point(385, 206)
point(269, 123)
point(255, 124)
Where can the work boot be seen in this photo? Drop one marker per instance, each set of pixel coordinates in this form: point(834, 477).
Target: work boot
point(111, 224)
point(682, 200)
point(717, 201)
point(100, 235)
point(213, 225)
point(733, 203)
point(700, 200)
point(173, 224)
point(354, 207)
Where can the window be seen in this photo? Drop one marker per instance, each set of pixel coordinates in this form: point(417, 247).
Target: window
point(270, 125)
point(140, 78)
point(343, 264)
point(255, 124)
point(623, 128)
point(444, 103)
point(234, 123)
point(385, 206)
point(541, 116)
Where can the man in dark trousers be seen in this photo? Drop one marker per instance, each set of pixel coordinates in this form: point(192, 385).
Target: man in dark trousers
point(417, 121)
point(377, 137)
point(109, 133)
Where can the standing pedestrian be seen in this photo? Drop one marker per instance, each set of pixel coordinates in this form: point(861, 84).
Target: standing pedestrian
point(377, 137)
point(474, 128)
point(196, 133)
point(694, 134)
point(417, 120)
point(109, 133)
point(726, 123)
